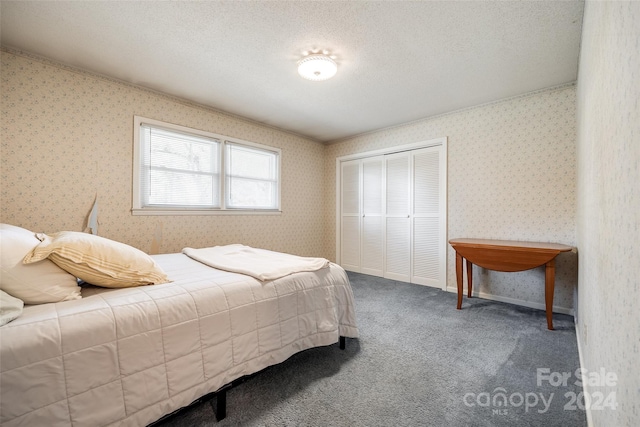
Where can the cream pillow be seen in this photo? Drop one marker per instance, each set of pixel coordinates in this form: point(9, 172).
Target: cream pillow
point(97, 260)
point(38, 283)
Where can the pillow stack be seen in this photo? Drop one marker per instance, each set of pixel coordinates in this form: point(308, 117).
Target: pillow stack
point(40, 268)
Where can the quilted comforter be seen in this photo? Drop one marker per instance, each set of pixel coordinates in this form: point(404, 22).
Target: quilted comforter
point(129, 356)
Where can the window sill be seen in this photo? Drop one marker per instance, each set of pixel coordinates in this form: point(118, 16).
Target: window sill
point(203, 212)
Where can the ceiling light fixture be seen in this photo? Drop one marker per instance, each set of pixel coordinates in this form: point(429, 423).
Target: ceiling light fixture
point(317, 66)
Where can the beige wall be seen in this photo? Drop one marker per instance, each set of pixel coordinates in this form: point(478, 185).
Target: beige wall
point(609, 204)
point(511, 175)
point(67, 135)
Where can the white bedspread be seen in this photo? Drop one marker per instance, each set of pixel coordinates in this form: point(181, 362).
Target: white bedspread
point(259, 263)
point(129, 356)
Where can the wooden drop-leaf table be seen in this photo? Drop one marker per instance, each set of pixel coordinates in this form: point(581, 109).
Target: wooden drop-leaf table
point(509, 256)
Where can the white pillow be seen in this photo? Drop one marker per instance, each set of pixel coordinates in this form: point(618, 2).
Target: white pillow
point(10, 308)
point(97, 260)
point(38, 283)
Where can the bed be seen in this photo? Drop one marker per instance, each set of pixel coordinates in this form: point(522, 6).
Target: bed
point(130, 356)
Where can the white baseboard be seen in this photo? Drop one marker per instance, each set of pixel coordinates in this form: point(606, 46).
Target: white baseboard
point(584, 383)
point(539, 306)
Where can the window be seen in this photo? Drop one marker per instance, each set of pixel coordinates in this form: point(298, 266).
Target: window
point(251, 177)
point(178, 170)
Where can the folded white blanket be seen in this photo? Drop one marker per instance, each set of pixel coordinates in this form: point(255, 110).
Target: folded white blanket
point(259, 263)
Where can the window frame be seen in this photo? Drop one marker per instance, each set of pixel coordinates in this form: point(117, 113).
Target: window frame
point(137, 205)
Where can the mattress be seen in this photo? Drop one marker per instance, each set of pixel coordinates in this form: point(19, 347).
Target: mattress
point(129, 356)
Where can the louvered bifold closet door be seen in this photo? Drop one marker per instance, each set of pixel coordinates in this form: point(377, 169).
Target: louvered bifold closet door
point(350, 221)
point(397, 217)
point(372, 220)
point(426, 260)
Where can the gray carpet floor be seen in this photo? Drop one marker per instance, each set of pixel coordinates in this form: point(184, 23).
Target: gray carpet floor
point(418, 362)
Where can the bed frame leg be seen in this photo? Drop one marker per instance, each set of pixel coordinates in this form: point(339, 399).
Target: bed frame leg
point(343, 343)
point(220, 408)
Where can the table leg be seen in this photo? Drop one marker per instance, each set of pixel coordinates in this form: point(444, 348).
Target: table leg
point(549, 284)
point(469, 278)
point(459, 278)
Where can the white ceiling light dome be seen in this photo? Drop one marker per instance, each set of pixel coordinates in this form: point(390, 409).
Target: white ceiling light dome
point(317, 66)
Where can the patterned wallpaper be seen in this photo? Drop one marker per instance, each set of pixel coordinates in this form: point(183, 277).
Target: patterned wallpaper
point(511, 175)
point(609, 204)
point(68, 135)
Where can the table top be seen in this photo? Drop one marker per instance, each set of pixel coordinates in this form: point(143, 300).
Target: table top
point(506, 244)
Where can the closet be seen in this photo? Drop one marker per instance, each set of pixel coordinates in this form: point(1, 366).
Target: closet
point(391, 213)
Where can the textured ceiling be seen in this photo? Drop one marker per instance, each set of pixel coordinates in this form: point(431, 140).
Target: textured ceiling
point(397, 61)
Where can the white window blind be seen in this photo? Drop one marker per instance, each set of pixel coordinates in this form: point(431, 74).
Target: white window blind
point(184, 171)
point(251, 177)
point(178, 170)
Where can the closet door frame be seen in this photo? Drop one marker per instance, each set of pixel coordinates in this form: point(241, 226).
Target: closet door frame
point(391, 150)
